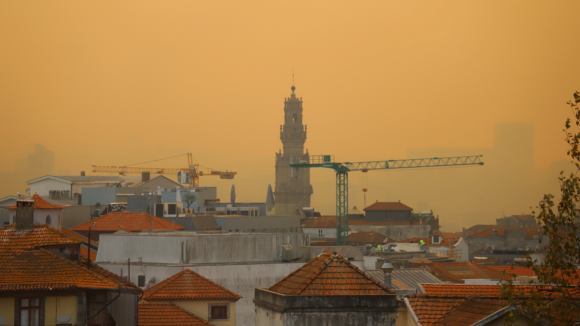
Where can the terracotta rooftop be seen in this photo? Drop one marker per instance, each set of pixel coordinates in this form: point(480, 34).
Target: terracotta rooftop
point(461, 290)
point(167, 314)
point(189, 285)
point(329, 274)
point(40, 203)
point(456, 272)
point(25, 265)
point(454, 312)
point(488, 233)
point(363, 222)
point(366, 237)
point(129, 222)
point(524, 217)
point(40, 236)
point(319, 223)
point(76, 236)
point(388, 206)
point(431, 310)
point(517, 270)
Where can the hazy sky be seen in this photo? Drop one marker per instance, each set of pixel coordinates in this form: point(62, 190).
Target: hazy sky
point(120, 82)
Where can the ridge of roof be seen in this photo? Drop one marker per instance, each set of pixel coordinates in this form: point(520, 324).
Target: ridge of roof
point(168, 314)
point(40, 203)
point(129, 221)
point(329, 274)
point(188, 285)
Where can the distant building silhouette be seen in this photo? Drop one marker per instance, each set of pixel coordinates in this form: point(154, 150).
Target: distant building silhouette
point(292, 190)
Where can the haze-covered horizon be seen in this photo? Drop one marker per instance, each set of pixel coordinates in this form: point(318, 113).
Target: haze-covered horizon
point(118, 83)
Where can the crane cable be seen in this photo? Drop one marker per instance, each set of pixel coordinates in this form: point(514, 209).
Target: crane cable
point(161, 159)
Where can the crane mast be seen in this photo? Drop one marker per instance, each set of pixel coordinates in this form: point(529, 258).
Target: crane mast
point(342, 169)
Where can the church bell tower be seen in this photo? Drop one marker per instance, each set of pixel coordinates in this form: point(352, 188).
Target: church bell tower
point(292, 189)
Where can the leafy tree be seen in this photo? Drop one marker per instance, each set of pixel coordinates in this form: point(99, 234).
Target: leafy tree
point(557, 303)
point(189, 199)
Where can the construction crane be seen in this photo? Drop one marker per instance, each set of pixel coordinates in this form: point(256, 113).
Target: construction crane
point(189, 175)
point(342, 169)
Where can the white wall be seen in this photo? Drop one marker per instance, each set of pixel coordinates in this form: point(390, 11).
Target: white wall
point(40, 217)
point(463, 246)
point(44, 186)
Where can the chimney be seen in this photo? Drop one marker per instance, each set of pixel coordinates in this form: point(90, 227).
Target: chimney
point(82, 173)
point(24, 214)
point(494, 234)
point(145, 176)
point(463, 235)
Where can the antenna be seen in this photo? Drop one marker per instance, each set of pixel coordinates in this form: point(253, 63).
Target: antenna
point(292, 77)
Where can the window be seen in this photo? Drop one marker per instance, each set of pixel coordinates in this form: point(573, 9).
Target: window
point(294, 117)
point(320, 234)
point(390, 216)
point(219, 312)
point(29, 311)
point(141, 281)
point(48, 220)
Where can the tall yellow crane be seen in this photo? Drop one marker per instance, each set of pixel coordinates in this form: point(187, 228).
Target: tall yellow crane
point(189, 175)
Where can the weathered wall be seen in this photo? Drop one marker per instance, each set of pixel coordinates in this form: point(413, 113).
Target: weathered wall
point(58, 307)
point(515, 238)
point(396, 232)
point(326, 232)
point(123, 309)
point(381, 216)
point(259, 223)
point(7, 311)
point(199, 249)
point(76, 215)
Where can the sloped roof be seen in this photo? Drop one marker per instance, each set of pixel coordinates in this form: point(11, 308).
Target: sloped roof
point(517, 270)
point(524, 217)
point(355, 211)
point(167, 314)
point(25, 265)
point(189, 285)
point(76, 236)
point(319, 223)
point(388, 206)
point(458, 271)
point(40, 236)
point(488, 233)
point(329, 274)
point(366, 237)
point(129, 221)
point(40, 203)
point(479, 227)
point(430, 310)
point(410, 277)
point(462, 290)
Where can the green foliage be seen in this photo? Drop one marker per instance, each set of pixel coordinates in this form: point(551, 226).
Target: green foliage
point(189, 199)
point(557, 303)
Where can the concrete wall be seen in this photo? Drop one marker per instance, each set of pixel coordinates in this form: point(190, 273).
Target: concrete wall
point(381, 216)
point(259, 223)
point(355, 310)
point(142, 202)
point(76, 215)
point(197, 249)
point(102, 195)
point(464, 247)
point(44, 186)
point(5, 217)
point(40, 217)
point(326, 232)
point(396, 232)
point(123, 309)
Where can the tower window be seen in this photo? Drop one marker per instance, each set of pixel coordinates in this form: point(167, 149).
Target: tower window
point(294, 117)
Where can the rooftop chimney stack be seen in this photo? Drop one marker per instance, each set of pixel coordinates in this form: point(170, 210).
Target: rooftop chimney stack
point(145, 176)
point(82, 173)
point(24, 214)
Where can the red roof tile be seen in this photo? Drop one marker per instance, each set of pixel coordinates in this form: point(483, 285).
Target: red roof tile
point(461, 290)
point(189, 285)
point(129, 221)
point(40, 203)
point(430, 310)
point(517, 270)
point(76, 236)
point(40, 236)
point(458, 271)
point(367, 237)
point(530, 233)
point(388, 206)
point(329, 274)
point(167, 314)
point(466, 312)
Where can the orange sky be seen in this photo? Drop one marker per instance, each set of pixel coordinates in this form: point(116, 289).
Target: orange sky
point(120, 82)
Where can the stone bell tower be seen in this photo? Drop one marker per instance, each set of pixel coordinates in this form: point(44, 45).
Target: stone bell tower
point(292, 189)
